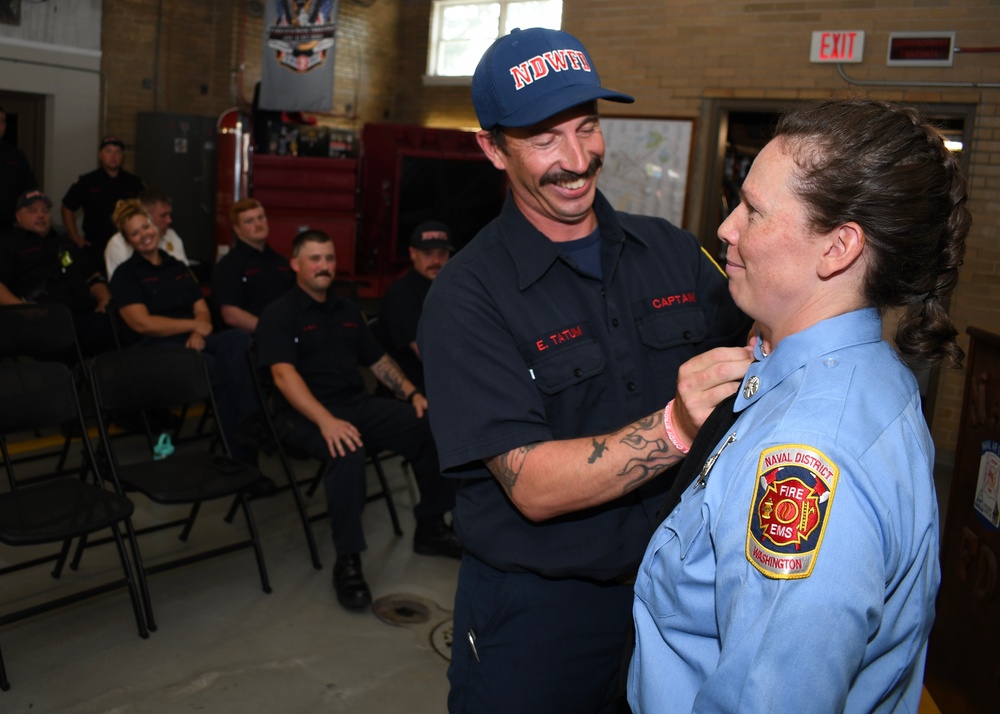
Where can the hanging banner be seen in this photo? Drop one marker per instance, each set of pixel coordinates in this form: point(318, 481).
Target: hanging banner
point(299, 39)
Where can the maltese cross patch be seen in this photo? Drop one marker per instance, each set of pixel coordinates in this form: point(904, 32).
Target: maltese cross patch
point(791, 504)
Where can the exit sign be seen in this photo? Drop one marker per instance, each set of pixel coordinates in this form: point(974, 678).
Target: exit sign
point(837, 46)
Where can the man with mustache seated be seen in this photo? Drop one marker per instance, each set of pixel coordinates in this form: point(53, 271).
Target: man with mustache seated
point(315, 342)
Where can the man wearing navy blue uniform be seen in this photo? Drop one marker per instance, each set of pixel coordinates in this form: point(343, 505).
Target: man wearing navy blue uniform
point(403, 302)
point(552, 344)
point(97, 193)
point(315, 342)
point(39, 265)
point(252, 274)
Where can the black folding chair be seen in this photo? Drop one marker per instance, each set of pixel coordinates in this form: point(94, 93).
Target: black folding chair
point(146, 378)
point(45, 332)
point(271, 442)
point(36, 395)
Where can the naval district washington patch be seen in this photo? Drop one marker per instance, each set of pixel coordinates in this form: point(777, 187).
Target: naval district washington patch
point(791, 504)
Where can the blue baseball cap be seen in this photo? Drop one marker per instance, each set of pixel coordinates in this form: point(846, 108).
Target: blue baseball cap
point(530, 75)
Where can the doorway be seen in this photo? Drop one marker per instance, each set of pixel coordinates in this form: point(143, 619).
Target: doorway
point(741, 128)
point(26, 129)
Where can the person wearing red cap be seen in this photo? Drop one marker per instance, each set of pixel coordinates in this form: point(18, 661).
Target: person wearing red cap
point(97, 193)
point(568, 353)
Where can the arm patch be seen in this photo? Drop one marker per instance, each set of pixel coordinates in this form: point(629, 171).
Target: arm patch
point(792, 498)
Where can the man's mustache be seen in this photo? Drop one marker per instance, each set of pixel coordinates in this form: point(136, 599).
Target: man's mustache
point(567, 176)
point(324, 274)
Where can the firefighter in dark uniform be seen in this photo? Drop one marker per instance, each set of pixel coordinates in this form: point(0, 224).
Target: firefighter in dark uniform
point(97, 193)
point(403, 302)
point(160, 302)
point(552, 344)
point(252, 274)
point(314, 342)
point(39, 265)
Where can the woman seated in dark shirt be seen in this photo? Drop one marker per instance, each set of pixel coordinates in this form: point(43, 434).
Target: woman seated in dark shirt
point(159, 302)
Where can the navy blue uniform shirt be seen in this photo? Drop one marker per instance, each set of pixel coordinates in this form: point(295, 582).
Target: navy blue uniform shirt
point(399, 315)
point(48, 268)
point(326, 342)
point(520, 347)
point(251, 279)
point(97, 193)
point(167, 290)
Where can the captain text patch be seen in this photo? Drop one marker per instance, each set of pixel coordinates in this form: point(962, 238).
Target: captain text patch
point(791, 503)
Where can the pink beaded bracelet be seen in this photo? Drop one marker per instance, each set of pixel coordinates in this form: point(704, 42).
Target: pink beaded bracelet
point(671, 434)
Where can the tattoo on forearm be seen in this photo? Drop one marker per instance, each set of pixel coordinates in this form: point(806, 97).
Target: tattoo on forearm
point(507, 467)
point(389, 373)
point(599, 448)
point(646, 437)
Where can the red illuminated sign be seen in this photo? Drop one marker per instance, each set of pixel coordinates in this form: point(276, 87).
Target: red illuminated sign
point(921, 49)
point(837, 46)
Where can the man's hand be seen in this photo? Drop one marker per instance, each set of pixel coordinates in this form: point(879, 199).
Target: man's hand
point(195, 342)
point(419, 402)
point(703, 382)
point(340, 436)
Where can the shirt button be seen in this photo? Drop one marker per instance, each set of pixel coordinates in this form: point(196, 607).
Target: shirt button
point(577, 372)
point(614, 322)
point(687, 334)
point(630, 386)
point(830, 362)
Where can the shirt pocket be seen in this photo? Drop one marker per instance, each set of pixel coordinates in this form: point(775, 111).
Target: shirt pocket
point(674, 328)
point(679, 558)
point(568, 366)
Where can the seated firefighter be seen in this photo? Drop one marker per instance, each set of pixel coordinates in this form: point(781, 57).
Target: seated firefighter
point(159, 302)
point(252, 274)
point(403, 303)
point(39, 265)
point(314, 343)
point(160, 208)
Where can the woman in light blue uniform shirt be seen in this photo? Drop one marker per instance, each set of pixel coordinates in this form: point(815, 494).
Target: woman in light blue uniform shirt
point(798, 572)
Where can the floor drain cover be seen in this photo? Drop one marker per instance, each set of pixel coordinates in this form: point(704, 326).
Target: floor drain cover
point(441, 638)
point(401, 610)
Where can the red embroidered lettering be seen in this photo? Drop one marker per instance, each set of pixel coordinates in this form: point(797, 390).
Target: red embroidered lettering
point(557, 60)
point(541, 345)
point(521, 75)
point(671, 300)
point(538, 66)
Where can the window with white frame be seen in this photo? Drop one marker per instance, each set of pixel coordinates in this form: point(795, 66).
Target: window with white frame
point(461, 30)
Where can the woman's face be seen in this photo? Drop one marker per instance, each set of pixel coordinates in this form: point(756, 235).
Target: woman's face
point(773, 253)
point(140, 233)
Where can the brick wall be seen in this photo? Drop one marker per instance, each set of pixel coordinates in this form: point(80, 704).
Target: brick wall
point(679, 57)
point(197, 57)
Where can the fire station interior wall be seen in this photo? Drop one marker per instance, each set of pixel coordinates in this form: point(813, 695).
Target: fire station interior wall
point(69, 81)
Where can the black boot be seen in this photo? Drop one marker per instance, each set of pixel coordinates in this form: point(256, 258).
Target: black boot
point(435, 537)
point(349, 582)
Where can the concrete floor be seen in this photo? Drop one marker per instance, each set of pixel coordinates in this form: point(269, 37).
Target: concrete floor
point(223, 645)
